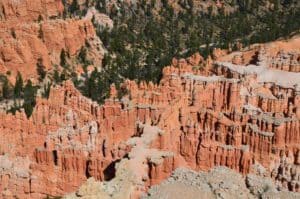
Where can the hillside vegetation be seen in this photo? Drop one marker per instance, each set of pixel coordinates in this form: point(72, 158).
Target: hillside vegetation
point(147, 35)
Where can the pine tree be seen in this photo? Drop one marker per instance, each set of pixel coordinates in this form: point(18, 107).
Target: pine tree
point(82, 56)
point(63, 60)
point(41, 69)
point(74, 7)
point(101, 6)
point(56, 77)
point(29, 98)
point(6, 89)
point(18, 89)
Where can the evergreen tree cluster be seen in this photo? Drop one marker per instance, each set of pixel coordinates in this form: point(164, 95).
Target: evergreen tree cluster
point(143, 41)
point(23, 95)
point(18, 92)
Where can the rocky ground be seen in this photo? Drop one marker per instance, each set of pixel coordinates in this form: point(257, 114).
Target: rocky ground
point(219, 182)
point(229, 113)
point(223, 127)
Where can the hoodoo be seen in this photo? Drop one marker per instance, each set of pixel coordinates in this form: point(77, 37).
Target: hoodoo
point(75, 124)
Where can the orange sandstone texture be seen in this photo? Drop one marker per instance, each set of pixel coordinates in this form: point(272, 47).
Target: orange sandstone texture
point(29, 33)
point(30, 10)
point(202, 114)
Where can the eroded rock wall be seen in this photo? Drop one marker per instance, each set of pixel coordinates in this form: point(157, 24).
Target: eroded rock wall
point(29, 33)
point(204, 113)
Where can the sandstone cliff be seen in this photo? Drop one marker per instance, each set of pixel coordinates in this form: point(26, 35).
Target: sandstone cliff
point(29, 33)
point(202, 114)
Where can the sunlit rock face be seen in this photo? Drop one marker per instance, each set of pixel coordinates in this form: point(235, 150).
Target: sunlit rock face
point(35, 30)
point(239, 110)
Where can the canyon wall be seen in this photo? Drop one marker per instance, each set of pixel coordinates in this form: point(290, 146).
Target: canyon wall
point(202, 114)
point(30, 33)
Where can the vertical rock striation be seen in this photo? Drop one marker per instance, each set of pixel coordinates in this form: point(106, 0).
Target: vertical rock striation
point(202, 114)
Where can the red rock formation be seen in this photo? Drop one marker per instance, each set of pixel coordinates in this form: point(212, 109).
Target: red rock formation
point(31, 33)
point(25, 11)
point(229, 115)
